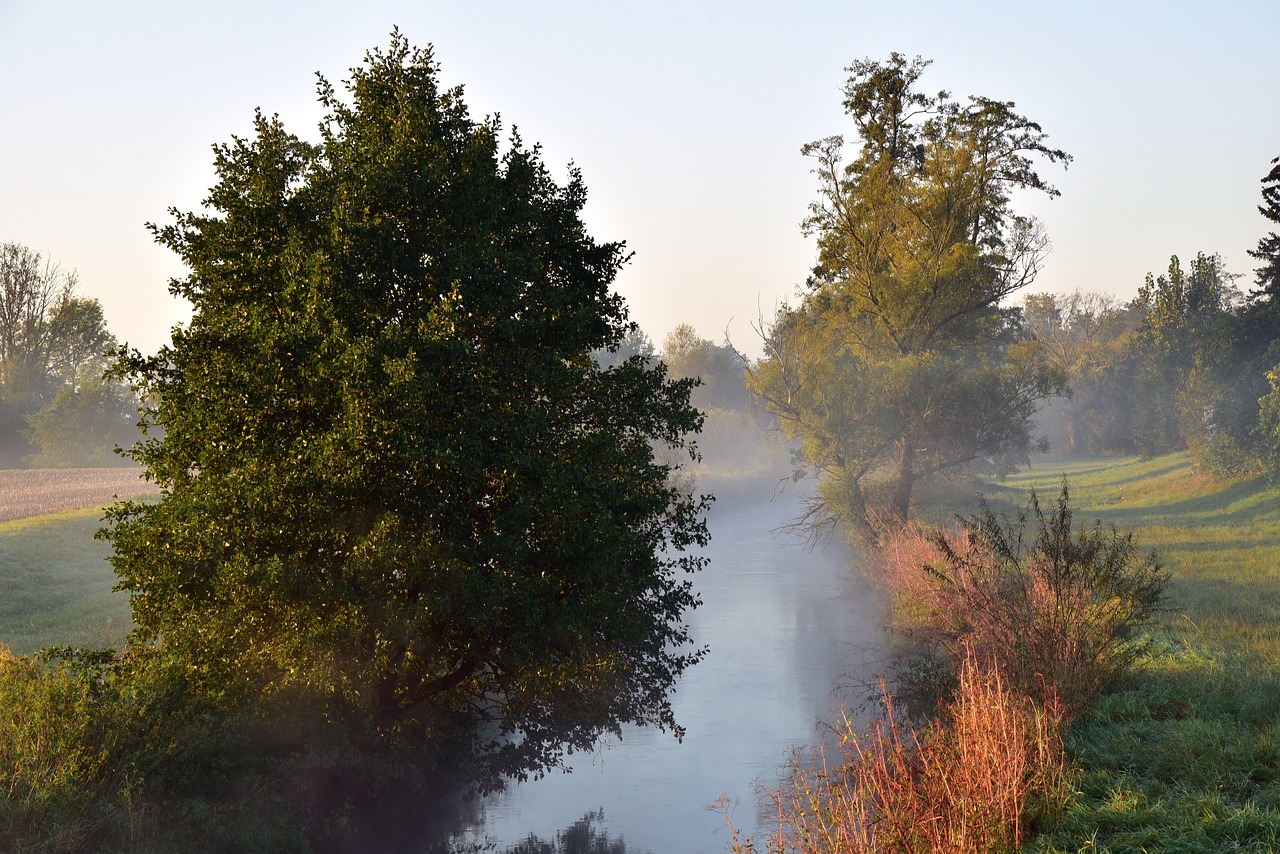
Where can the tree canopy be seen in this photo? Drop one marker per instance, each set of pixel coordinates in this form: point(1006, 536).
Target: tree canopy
point(899, 362)
point(393, 476)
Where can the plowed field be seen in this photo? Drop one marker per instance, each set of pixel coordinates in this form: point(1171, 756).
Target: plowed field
point(36, 492)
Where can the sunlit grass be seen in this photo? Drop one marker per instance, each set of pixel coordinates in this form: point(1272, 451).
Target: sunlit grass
point(1185, 756)
point(56, 585)
point(55, 582)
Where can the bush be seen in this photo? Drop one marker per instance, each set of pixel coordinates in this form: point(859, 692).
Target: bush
point(100, 754)
point(974, 780)
point(56, 746)
point(1055, 613)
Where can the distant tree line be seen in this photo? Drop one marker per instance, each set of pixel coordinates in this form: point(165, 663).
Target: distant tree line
point(57, 409)
point(720, 370)
point(1191, 364)
point(905, 359)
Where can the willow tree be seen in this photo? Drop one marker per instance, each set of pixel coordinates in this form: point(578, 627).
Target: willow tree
point(394, 480)
point(899, 362)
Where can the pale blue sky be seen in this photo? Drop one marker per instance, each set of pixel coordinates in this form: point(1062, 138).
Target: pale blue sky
point(685, 118)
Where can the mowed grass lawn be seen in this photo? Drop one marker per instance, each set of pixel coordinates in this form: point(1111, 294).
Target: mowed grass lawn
point(55, 581)
point(1185, 756)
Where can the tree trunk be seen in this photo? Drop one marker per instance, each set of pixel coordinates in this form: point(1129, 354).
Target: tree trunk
point(1074, 427)
point(859, 514)
point(904, 480)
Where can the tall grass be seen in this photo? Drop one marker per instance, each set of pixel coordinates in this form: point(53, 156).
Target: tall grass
point(1032, 616)
point(974, 780)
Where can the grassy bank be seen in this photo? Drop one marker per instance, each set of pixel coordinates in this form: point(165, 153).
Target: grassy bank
point(56, 584)
point(1185, 756)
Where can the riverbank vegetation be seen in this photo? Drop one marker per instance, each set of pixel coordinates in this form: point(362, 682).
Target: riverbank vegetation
point(1179, 751)
point(429, 501)
point(905, 363)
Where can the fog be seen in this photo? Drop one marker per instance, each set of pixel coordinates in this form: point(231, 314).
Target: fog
point(793, 632)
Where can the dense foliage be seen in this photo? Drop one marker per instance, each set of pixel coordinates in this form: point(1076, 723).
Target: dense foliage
point(397, 487)
point(899, 363)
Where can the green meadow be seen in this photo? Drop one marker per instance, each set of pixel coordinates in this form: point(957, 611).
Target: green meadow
point(56, 584)
point(1185, 755)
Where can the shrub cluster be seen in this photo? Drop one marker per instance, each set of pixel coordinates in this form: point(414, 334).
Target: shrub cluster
point(1054, 612)
point(55, 750)
point(1021, 631)
point(103, 752)
point(974, 779)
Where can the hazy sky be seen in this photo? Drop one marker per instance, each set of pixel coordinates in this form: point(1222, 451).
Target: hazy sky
point(685, 118)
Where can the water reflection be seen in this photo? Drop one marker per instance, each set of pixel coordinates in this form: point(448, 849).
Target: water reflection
point(584, 836)
point(785, 626)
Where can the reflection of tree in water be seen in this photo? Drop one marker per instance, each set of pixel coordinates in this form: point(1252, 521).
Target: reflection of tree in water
point(584, 836)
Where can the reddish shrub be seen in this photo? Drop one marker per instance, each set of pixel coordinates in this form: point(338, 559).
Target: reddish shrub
point(971, 781)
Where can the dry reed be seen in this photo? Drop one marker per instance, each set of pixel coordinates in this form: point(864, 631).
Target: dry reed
point(974, 780)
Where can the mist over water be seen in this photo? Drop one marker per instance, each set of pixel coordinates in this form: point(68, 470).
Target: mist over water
point(786, 626)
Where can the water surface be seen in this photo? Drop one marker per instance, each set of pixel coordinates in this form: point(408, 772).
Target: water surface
point(786, 626)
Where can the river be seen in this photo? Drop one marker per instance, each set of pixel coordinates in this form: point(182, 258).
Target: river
point(787, 627)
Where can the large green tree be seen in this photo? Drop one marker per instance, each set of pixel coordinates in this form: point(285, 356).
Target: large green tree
point(393, 476)
point(899, 362)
